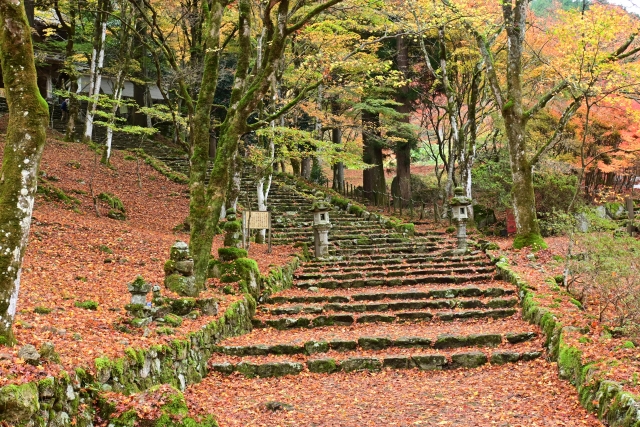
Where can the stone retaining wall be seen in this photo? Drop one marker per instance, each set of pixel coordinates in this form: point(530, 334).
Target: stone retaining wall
point(69, 398)
point(607, 399)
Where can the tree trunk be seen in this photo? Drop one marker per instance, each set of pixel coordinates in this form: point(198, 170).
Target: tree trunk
point(203, 216)
point(72, 72)
point(97, 62)
point(338, 168)
point(305, 170)
point(403, 149)
point(26, 134)
point(373, 181)
point(522, 193)
point(295, 165)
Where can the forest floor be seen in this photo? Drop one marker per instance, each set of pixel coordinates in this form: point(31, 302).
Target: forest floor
point(74, 255)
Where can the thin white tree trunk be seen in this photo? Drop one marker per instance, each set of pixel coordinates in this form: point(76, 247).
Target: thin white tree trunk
point(88, 132)
point(117, 94)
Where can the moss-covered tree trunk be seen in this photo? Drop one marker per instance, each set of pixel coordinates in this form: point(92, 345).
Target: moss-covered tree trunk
point(522, 194)
point(510, 103)
point(206, 200)
point(403, 149)
point(373, 182)
point(28, 118)
point(201, 213)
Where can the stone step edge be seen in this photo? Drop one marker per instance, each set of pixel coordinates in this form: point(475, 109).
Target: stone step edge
point(441, 342)
point(391, 306)
point(348, 319)
point(469, 292)
point(399, 273)
point(311, 271)
point(467, 360)
point(396, 282)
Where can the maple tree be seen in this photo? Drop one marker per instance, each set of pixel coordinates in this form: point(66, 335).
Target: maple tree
point(487, 24)
point(28, 118)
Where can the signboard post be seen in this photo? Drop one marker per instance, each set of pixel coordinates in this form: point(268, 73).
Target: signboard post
point(256, 220)
point(630, 226)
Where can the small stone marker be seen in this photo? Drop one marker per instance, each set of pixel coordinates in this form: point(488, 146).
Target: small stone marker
point(139, 290)
point(179, 271)
point(29, 354)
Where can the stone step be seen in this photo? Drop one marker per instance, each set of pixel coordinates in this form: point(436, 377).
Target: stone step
point(384, 249)
point(316, 273)
point(426, 330)
point(432, 276)
point(379, 342)
point(311, 321)
point(300, 296)
point(332, 361)
point(400, 271)
point(389, 306)
point(389, 260)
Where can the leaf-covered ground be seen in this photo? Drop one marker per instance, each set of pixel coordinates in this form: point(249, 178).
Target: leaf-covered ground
point(524, 394)
point(75, 256)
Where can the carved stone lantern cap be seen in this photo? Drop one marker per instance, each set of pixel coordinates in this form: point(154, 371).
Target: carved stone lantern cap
point(320, 205)
point(459, 199)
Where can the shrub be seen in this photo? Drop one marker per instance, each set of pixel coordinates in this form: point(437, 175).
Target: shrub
point(554, 191)
point(604, 276)
point(113, 201)
point(230, 254)
point(87, 305)
point(555, 222)
point(355, 210)
point(340, 202)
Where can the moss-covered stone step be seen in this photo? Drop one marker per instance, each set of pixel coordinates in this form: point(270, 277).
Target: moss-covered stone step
point(444, 341)
point(383, 249)
point(390, 306)
point(386, 258)
point(327, 365)
point(378, 317)
point(314, 273)
point(379, 295)
point(389, 260)
point(384, 273)
point(390, 282)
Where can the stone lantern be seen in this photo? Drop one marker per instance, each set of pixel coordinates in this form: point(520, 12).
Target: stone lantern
point(321, 225)
point(460, 212)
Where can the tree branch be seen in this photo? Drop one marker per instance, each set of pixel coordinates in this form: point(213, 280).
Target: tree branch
point(312, 13)
point(568, 113)
point(286, 107)
point(542, 102)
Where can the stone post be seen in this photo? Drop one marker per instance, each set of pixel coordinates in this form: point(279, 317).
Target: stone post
point(178, 271)
point(460, 213)
point(321, 225)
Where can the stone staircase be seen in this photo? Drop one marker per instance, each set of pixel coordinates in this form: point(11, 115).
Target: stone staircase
point(382, 299)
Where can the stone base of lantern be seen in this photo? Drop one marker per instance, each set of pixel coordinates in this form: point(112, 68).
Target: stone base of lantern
point(462, 238)
point(321, 240)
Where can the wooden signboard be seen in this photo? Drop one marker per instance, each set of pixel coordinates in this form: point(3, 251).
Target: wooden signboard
point(256, 220)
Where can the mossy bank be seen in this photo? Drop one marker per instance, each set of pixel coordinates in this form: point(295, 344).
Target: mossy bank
point(606, 398)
